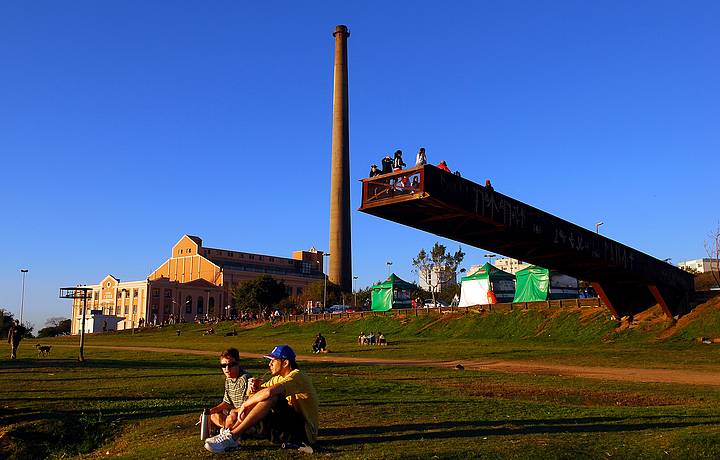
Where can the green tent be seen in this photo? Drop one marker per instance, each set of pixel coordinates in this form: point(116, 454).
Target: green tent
point(474, 287)
point(535, 284)
point(391, 293)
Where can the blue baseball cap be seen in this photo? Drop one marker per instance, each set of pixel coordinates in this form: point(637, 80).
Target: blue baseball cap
point(282, 352)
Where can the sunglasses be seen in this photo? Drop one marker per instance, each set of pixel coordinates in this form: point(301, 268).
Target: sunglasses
point(231, 364)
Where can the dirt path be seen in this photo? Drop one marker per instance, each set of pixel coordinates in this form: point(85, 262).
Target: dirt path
point(678, 376)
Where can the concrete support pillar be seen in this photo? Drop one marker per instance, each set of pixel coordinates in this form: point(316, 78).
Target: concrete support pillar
point(340, 269)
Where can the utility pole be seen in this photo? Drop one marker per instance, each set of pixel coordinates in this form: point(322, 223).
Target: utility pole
point(22, 297)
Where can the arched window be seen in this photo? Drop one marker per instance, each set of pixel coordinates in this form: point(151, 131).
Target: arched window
point(188, 304)
point(200, 305)
point(211, 305)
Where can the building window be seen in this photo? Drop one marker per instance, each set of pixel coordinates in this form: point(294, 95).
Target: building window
point(271, 259)
point(251, 257)
point(200, 307)
point(127, 309)
point(230, 254)
point(211, 305)
point(168, 293)
point(156, 292)
point(166, 309)
point(134, 309)
point(299, 291)
point(188, 304)
point(136, 292)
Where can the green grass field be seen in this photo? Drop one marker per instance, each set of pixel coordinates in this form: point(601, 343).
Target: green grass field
point(141, 404)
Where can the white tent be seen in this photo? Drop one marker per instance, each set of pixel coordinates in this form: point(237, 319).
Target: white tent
point(474, 292)
point(474, 287)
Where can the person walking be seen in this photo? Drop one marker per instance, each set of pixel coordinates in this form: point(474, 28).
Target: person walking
point(15, 335)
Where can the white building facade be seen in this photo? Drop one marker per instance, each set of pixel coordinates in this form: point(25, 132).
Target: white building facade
point(510, 265)
point(437, 278)
point(700, 265)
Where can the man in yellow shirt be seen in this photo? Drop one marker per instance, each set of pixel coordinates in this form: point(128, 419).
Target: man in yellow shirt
point(287, 406)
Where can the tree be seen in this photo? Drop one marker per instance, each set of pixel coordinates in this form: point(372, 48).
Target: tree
point(364, 297)
point(439, 261)
point(315, 292)
point(54, 327)
point(259, 294)
point(7, 319)
point(712, 248)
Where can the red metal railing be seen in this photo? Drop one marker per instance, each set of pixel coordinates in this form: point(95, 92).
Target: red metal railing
point(403, 183)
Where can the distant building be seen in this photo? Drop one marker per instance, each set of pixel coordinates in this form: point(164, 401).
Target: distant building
point(123, 303)
point(195, 282)
point(700, 265)
point(510, 265)
point(437, 278)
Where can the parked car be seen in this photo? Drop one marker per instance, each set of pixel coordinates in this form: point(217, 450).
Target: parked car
point(338, 308)
point(428, 303)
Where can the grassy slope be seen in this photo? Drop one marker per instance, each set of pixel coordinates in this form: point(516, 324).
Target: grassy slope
point(144, 405)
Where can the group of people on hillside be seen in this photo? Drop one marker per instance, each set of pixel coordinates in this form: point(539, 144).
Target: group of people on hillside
point(371, 338)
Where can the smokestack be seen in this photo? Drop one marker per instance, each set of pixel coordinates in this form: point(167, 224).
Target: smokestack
point(340, 270)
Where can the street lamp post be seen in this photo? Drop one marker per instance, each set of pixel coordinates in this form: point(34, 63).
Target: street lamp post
point(355, 289)
point(388, 263)
point(78, 292)
point(22, 297)
point(597, 227)
point(490, 256)
point(325, 286)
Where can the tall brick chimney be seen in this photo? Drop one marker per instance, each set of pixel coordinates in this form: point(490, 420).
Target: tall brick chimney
point(340, 269)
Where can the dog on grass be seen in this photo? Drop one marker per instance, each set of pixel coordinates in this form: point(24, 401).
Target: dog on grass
point(43, 350)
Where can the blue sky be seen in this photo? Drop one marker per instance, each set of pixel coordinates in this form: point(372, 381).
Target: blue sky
point(124, 125)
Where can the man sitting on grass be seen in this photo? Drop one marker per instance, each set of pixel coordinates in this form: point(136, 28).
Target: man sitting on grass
point(225, 414)
point(287, 406)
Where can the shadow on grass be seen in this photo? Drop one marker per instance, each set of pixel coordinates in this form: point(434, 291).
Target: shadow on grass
point(22, 416)
point(19, 366)
point(471, 429)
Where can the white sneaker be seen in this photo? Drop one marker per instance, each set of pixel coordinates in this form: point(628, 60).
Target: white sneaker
point(305, 449)
point(224, 442)
point(213, 439)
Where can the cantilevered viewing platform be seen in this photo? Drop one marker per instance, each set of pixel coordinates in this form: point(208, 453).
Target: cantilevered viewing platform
point(438, 202)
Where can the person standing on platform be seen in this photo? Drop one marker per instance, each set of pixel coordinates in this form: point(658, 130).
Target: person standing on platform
point(421, 159)
point(398, 162)
point(387, 165)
